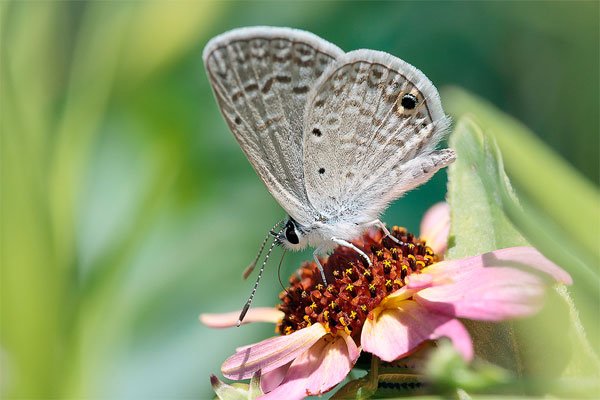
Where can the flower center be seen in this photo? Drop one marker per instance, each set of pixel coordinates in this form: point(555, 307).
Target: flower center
point(354, 289)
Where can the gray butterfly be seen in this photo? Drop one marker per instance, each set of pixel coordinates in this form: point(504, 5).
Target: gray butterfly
point(334, 136)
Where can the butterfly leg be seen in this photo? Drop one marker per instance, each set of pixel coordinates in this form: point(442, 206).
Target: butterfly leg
point(316, 257)
point(345, 243)
point(385, 230)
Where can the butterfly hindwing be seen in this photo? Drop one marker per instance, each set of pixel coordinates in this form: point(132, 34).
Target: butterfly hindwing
point(372, 123)
point(261, 77)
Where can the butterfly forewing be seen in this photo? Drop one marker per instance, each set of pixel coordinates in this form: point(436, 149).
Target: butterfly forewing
point(371, 126)
point(261, 78)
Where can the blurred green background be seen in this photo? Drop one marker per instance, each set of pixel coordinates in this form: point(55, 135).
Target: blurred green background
point(128, 208)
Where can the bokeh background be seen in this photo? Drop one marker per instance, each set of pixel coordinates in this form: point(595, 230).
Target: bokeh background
point(128, 208)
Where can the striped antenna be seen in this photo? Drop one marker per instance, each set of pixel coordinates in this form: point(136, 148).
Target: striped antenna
point(252, 265)
point(260, 272)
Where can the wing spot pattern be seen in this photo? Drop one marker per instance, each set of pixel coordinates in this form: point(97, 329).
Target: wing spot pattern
point(237, 95)
point(267, 87)
point(300, 89)
point(251, 87)
point(317, 132)
point(283, 78)
point(278, 78)
point(251, 76)
point(321, 170)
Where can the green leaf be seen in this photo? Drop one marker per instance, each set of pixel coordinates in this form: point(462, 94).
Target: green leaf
point(478, 190)
point(448, 371)
point(557, 211)
point(567, 206)
point(237, 391)
point(478, 222)
point(478, 225)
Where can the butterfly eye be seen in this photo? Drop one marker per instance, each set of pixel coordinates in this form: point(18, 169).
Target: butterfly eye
point(290, 233)
point(409, 101)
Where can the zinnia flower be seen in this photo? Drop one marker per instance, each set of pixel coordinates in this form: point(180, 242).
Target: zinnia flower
point(407, 297)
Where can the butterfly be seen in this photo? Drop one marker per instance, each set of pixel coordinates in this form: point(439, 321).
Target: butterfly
point(335, 136)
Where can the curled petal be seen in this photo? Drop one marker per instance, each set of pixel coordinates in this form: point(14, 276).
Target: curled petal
point(395, 332)
point(353, 350)
point(526, 258)
point(458, 335)
point(271, 353)
point(272, 379)
point(318, 370)
point(435, 227)
point(489, 294)
point(227, 320)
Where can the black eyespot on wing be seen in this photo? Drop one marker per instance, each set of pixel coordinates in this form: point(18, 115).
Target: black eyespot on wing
point(290, 233)
point(409, 101)
point(317, 132)
point(321, 170)
point(237, 120)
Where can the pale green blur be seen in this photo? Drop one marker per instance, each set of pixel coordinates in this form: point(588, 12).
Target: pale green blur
point(128, 208)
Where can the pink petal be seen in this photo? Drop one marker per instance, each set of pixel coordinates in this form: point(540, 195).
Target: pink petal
point(418, 281)
point(272, 379)
point(227, 320)
point(271, 353)
point(435, 227)
point(458, 334)
point(395, 332)
point(516, 257)
point(318, 370)
point(489, 294)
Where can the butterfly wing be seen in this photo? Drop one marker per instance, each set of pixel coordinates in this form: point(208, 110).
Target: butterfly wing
point(363, 147)
point(261, 77)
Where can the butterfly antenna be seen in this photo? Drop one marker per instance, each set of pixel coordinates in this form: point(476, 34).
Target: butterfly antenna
point(252, 265)
point(260, 272)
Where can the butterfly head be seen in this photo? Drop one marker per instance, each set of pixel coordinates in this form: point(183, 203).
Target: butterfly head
point(292, 236)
